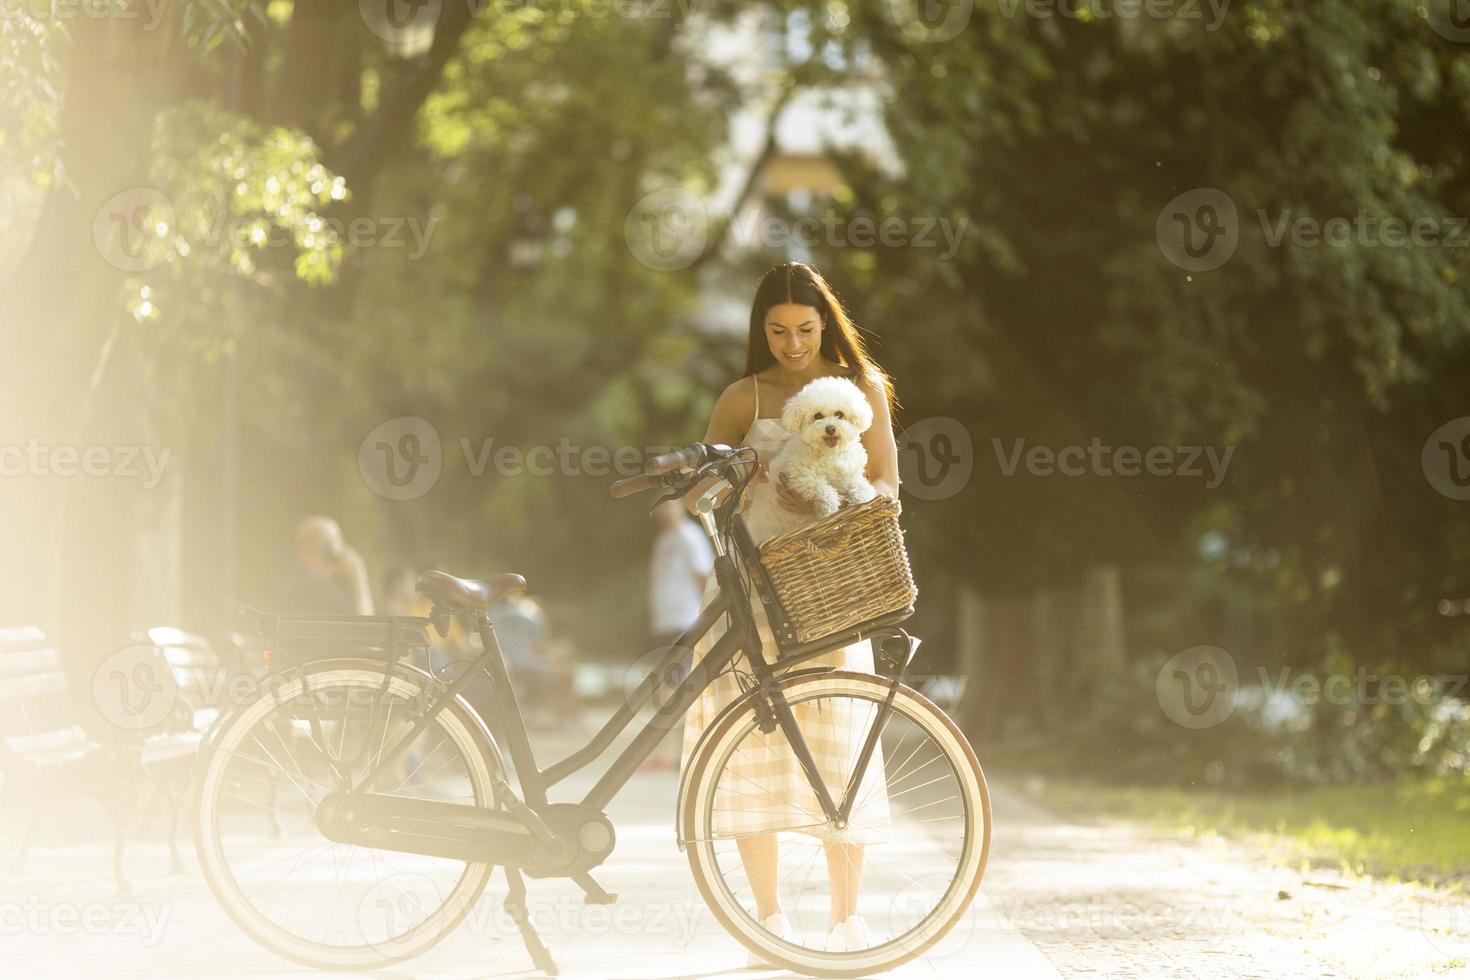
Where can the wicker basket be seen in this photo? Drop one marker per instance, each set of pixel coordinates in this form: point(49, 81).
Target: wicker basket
point(842, 570)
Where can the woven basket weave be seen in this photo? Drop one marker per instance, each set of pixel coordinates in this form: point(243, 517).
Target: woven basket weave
point(842, 570)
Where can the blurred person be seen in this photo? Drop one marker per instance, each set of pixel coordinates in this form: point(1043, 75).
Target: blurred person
point(401, 598)
point(328, 575)
point(681, 561)
point(522, 630)
point(400, 593)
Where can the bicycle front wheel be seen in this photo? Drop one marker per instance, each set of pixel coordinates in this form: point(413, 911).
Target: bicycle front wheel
point(894, 879)
point(262, 775)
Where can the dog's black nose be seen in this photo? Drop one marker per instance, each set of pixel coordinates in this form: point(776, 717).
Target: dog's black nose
point(831, 430)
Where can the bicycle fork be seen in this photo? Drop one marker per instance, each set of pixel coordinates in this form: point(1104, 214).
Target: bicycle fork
point(773, 710)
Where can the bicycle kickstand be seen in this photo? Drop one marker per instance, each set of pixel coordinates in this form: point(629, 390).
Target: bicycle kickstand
point(596, 894)
point(515, 904)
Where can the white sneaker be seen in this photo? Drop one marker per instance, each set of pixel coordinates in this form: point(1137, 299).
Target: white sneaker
point(849, 936)
point(777, 925)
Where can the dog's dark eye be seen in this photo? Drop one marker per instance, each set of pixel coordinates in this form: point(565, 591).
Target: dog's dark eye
point(817, 416)
point(837, 416)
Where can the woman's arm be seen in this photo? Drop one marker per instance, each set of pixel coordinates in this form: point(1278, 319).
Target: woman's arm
point(727, 424)
point(882, 470)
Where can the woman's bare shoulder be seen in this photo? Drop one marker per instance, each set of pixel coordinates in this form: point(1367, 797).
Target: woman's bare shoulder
point(740, 393)
point(732, 411)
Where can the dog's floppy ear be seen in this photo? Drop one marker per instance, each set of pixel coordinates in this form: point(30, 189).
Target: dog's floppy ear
point(795, 411)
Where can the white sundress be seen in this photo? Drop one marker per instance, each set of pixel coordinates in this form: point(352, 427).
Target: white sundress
point(762, 789)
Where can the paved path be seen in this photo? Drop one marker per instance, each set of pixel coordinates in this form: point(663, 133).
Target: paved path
point(1059, 899)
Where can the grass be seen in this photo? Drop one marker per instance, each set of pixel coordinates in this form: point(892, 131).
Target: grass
point(1410, 830)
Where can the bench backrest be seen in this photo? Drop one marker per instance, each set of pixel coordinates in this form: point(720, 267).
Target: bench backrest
point(198, 672)
point(38, 715)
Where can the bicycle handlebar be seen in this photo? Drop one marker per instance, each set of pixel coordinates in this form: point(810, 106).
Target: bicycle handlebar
point(686, 458)
point(665, 470)
point(628, 486)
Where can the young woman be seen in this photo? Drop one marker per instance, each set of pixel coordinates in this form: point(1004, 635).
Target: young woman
point(798, 332)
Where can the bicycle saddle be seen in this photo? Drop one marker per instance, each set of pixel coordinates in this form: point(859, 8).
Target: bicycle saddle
point(470, 593)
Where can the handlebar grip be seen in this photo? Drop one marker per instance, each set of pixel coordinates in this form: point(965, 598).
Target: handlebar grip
point(628, 486)
point(690, 456)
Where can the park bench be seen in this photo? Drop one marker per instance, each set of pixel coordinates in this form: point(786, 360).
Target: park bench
point(200, 688)
point(52, 746)
point(47, 748)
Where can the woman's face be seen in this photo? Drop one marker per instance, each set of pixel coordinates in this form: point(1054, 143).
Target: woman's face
point(794, 333)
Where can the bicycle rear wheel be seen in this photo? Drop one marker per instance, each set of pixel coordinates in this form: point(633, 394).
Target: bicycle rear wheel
point(309, 899)
point(907, 864)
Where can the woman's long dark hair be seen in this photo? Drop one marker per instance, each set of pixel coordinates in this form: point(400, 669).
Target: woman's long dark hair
point(797, 282)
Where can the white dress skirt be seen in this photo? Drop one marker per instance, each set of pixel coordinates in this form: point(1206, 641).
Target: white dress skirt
point(762, 789)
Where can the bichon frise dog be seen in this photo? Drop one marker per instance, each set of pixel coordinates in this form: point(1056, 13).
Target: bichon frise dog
point(823, 460)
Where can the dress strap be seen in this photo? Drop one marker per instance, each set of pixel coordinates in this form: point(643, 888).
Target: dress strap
point(756, 381)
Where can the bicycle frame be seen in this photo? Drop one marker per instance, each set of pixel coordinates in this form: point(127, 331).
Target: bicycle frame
point(506, 721)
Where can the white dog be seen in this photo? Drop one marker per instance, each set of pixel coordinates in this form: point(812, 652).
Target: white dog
point(823, 460)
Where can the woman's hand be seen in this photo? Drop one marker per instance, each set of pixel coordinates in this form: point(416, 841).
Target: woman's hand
point(792, 500)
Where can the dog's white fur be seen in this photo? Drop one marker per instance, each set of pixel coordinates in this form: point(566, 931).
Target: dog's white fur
point(829, 476)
